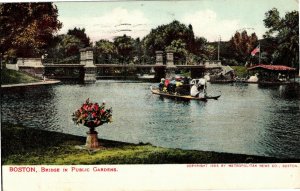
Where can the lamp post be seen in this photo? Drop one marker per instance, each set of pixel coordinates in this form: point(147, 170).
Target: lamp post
point(219, 48)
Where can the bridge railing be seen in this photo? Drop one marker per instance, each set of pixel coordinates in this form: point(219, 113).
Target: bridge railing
point(29, 62)
point(67, 60)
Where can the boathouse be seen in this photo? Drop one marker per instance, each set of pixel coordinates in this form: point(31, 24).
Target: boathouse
point(273, 73)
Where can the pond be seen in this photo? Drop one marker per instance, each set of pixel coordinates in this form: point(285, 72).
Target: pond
point(247, 118)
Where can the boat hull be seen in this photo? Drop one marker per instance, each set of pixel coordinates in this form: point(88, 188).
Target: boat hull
point(186, 97)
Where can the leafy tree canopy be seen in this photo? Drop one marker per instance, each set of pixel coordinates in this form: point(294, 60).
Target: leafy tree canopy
point(105, 47)
point(104, 51)
point(81, 35)
point(241, 45)
point(168, 35)
point(27, 28)
point(65, 48)
point(125, 47)
point(285, 32)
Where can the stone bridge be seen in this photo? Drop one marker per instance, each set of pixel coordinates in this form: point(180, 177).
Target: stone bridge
point(87, 71)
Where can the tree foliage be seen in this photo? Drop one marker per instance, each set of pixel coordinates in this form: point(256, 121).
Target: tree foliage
point(104, 51)
point(241, 45)
point(65, 48)
point(173, 35)
point(81, 35)
point(285, 32)
point(125, 47)
point(200, 46)
point(27, 28)
point(180, 50)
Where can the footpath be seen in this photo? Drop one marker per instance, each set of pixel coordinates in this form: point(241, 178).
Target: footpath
point(49, 82)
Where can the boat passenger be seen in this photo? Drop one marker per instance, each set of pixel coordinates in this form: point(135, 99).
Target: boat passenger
point(178, 83)
point(186, 80)
point(161, 84)
point(167, 81)
point(184, 87)
point(282, 77)
point(179, 88)
point(171, 86)
point(173, 81)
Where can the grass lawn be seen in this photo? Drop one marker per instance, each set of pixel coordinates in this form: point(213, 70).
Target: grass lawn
point(22, 145)
point(16, 77)
point(241, 71)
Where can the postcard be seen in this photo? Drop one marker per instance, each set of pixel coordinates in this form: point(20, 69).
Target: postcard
point(150, 95)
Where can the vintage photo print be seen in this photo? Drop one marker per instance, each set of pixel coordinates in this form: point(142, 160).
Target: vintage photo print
point(150, 95)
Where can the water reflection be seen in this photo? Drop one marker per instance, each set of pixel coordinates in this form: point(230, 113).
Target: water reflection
point(247, 118)
point(29, 106)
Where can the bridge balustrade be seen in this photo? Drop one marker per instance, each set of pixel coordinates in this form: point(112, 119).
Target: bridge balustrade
point(164, 65)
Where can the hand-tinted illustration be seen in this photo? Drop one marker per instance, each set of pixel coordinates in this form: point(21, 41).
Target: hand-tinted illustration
point(150, 82)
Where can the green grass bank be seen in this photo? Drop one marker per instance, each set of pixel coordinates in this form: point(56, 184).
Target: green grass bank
point(22, 145)
point(240, 71)
point(16, 77)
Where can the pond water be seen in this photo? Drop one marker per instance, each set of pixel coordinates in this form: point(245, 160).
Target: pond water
point(247, 118)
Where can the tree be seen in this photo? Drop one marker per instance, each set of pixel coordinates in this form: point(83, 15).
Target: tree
point(27, 28)
point(65, 50)
point(210, 52)
point(241, 45)
point(191, 39)
point(200, 49)
point(70, 44)
point(180, 52)
point(163, 36)
point(285, 32)
point(80, 34)
point(138, 51)
point(125, 47)
point(104, 51)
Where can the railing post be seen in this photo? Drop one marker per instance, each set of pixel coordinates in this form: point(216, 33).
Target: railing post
point(32, 66)
point(159, 67)
point(87, 58)
point(170, 68)
point(82, 56)
point(159, 58)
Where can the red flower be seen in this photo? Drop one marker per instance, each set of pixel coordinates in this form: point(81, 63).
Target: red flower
point(102, 111)
point(85, 107)
point(92, 115)
point(96, 107)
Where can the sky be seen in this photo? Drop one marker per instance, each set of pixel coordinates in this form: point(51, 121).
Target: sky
point(211, 19)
